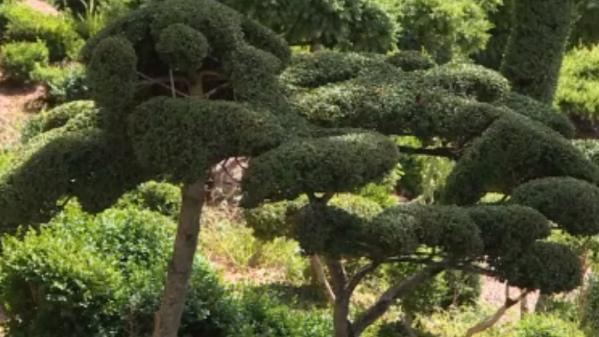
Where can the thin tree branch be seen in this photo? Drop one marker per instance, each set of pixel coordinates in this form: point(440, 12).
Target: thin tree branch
point(217, 89)
point(395, 292)
point(493, 319)
point(338, 276)
point(160, 83)
point(355, 280)
point(321, 278)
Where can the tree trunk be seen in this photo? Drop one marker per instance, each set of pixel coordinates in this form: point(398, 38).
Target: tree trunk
point(341, 317)
point(319, 278)
point(168, 318)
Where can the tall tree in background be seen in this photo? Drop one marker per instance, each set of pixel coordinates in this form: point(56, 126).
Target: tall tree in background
point(536, 46)
point(357, 25)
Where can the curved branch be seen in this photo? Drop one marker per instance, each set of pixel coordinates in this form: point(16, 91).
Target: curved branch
point(355, 280)
point(393, 293)
point(493, 319)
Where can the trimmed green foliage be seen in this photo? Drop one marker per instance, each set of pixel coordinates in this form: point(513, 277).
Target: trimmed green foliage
point(330, 164)
point(204, 134)
point(19, 59)
point(388, 100)
point(410, 60)
point(23, 23)
point(346, 24)
point(536, 46)
point(578, 91)
point(158, 197)
point(540, 112)
point(471, 81)
point(77, 114)
point(182, 47)
point(497, 161)
point(506, 231)
point(547, 266)
point(324, 67)
point(112, 77)
point(572, 204)
point(61, 163)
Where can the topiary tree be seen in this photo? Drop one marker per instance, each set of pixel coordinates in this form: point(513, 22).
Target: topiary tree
point(535, 48)
point(179, 87)
point(501, 142)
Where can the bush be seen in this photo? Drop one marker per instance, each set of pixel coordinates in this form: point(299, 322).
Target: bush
point(578, 90)
point(64, 83)
point(101, 276)
point(163, 198)
point(546, 326)
point(590, 307)
point(23, 23)
point(19, 59)
point(264, 316)
point(234, 244)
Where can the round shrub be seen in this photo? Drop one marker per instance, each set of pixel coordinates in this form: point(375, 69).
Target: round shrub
point(410, 60)
point(163, 198)
point(182, 47)
point(102, 276)
point(19, 59)
point(578, 90)
point(471, 81)
point(539, 325)
point(570, 203)
point(332, 164)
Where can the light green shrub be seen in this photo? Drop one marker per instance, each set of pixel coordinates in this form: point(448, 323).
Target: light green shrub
point(102, 276)
point(234, 244)
point(546, 326)
point(64, 83)
point(445, 29)
point(263, 315)
point(578, 91)
point(163, 198)
point(19, 59)
point(20, 22)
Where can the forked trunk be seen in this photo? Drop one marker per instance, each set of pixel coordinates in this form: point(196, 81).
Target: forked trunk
point(168, 318)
